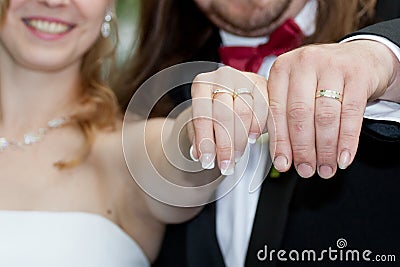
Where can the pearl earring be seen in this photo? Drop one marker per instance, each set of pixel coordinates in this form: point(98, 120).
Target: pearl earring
point(106, 26)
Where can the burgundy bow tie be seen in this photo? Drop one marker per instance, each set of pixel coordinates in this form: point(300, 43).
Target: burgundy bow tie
point(285, 38)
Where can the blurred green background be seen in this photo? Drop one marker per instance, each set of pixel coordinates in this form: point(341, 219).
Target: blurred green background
point(127, 13)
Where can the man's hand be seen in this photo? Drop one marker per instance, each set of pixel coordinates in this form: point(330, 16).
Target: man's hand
point(320, 133)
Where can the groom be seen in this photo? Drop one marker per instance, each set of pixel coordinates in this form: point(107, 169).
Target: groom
point(224, 234)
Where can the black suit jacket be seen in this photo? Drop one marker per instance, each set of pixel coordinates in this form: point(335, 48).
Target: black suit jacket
point(387, 9)
point(360, 205)
point(388, 29)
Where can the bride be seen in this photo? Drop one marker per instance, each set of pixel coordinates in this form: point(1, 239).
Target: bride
point(66, 195)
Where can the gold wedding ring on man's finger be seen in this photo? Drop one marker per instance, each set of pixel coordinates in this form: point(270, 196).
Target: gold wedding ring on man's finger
point(330, 94)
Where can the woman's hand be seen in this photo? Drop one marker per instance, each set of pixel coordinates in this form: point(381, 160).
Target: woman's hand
point(229, 110)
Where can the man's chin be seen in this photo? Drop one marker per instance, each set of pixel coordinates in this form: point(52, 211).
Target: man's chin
point(245, 32)
point(248, 33)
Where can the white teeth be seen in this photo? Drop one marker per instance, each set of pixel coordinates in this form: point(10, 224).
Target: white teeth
point(48, 27)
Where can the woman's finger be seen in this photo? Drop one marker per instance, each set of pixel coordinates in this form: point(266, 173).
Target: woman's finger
point(224, 128)
point(202, 104)
point(260, 106)
point(243, 116)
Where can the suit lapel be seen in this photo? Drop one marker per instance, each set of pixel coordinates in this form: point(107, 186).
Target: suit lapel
point(270, 219)
point(202, 244)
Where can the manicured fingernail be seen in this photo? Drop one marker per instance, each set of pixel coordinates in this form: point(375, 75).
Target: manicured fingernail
point(252, 138)
point(305, 170)
point(191, 154)
point(238, 156)
point(227, 168)
point(325, 171)
point(281, 163)
point(344, 159)
point(207, 161)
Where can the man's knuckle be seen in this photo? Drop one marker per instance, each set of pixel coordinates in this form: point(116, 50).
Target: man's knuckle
point(326, 152)
point(352, 109)
point(326, 117)
point(280, 65)
point(349, 135)
point(299, 111)
point(301, 150)
point(309, 54)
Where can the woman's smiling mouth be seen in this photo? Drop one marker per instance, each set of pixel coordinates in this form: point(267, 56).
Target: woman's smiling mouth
point(48, 26)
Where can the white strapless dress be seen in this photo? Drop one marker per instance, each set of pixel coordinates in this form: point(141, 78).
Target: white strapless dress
point(73, 239)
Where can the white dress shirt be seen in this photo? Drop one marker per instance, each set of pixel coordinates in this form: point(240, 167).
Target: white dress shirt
point(239, 193)
point(380, 109)
point(236, 209)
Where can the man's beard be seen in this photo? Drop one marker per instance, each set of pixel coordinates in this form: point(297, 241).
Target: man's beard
point(269, 17)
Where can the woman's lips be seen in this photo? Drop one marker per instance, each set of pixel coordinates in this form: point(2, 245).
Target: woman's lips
point(48, 28)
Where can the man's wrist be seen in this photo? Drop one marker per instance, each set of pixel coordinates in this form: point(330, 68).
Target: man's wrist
point(390, 53)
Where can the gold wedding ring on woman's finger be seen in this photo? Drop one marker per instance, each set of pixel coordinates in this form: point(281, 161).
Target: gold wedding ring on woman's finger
point(234, 94)
point(330, 94)
point(243, 91)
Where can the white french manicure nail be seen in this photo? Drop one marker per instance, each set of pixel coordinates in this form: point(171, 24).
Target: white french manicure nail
point(227, 168)
point(238, 156)
point(252, 139)
point(191, 154)
point(207, 161)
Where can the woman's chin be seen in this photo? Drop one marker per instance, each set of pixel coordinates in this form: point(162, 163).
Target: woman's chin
point(43, 66)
